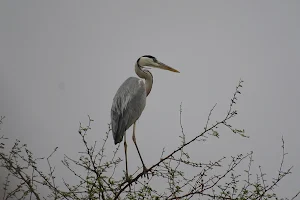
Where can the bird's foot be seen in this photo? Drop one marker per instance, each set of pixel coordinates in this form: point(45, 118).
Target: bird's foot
point(145, 172)
point(127, 178)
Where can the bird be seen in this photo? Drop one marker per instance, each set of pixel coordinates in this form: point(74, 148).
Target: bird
point(130, 101)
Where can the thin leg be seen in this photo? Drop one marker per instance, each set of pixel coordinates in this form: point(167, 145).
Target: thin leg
point(125, 148)
point(134, 140)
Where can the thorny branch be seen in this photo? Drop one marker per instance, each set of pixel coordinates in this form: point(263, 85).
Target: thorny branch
point(230, 114)
point(212, 180)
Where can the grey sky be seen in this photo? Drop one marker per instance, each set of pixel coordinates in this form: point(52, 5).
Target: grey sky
point(63, 60)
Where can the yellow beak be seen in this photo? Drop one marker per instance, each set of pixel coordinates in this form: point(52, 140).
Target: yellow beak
point(166, 67)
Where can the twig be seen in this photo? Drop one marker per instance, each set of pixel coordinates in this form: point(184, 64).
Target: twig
point(229, 115)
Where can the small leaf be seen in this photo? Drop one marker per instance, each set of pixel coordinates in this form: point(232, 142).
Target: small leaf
point(215, 133)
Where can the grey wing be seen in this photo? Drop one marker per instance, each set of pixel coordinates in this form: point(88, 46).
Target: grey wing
point(128, 105)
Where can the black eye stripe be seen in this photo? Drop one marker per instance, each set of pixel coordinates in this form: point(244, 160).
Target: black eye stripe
point(148, 56)
point(152, 57)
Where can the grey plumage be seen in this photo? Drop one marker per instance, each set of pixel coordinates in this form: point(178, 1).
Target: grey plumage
point(130, 101)
point(128, 105)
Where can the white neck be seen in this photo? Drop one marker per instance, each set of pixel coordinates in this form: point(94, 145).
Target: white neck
point(145, 74)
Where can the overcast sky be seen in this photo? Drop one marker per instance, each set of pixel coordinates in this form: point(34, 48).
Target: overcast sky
point(63, 60)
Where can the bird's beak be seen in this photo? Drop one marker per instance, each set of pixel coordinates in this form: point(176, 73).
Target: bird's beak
point(166, 67)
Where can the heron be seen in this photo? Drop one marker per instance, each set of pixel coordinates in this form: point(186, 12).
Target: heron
point(130, 101)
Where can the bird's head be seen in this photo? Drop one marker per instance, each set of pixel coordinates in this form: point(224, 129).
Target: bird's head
point(150, 61)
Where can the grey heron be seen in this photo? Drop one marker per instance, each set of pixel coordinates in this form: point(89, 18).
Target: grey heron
point(130, 101)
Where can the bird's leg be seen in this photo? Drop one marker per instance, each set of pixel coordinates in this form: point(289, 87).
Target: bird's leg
point(125, 148)
point(134, 140)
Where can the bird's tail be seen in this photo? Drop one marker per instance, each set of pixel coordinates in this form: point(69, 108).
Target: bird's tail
point(118, 137)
